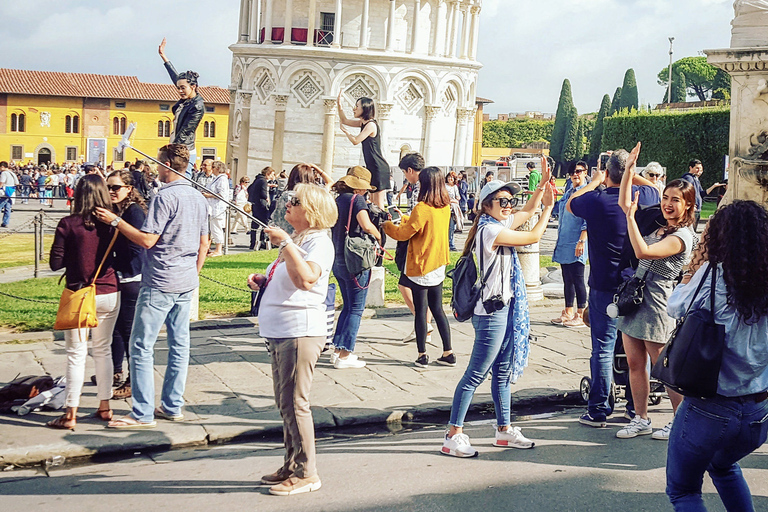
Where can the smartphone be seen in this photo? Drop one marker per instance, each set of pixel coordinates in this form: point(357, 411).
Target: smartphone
point(603, 161)
point(395, 213)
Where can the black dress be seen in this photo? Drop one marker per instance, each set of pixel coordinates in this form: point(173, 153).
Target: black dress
point(374, 160)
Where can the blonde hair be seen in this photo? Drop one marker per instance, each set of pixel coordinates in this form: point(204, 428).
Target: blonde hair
point(318, 204)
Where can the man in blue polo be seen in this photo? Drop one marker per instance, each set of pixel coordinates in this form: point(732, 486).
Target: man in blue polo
point(606, 230)
point(695, 170)
point(175, 235)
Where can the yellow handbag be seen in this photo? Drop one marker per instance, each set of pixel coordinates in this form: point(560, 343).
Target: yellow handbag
point(247, 208)
point(77, 309)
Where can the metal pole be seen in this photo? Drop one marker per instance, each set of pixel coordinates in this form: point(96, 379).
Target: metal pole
point(42, 234)
point(669, 84)
point(226, 231)
point(37, 246)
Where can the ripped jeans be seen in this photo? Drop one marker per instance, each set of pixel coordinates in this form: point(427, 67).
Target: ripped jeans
point(492, 352)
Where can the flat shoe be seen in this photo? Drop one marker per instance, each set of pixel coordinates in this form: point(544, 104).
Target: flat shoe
point(160, 413)
point(128, 423)
point(122, 392)
point(103, 414)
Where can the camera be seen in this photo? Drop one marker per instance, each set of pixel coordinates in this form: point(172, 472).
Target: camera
point(494, 303)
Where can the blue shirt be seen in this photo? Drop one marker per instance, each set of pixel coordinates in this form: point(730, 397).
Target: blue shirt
point(569, 230)
point(606, 229)
point(745, 359)
point(700, 193)
point(179, 214)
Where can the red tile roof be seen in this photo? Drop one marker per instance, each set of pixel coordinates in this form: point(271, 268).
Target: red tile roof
point(86, 85)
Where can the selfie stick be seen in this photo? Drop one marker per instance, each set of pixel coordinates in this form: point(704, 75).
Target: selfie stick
point(125, 143)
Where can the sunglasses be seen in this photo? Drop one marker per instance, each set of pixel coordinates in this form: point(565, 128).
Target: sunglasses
point(294, 201)
point(576, 171)
point(115, 188)
point(506, 202)
point(653, 175)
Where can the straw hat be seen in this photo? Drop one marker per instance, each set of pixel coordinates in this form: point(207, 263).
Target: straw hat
point(358, 178)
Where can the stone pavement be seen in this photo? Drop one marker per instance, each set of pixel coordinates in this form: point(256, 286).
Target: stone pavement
point(229, 389)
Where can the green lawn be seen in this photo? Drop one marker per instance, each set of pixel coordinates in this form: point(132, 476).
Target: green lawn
point(19, 250)
point(707, 209)
point(215, 300)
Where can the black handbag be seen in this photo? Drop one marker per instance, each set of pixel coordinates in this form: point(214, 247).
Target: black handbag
point(359, 252)
point(690, 361)
point(629, 295)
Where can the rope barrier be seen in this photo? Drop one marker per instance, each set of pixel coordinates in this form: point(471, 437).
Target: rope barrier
point(17, 230)
point(225, 284)
point(28, 299)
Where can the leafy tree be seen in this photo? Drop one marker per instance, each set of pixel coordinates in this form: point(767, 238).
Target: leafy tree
point(516, 133)
point(597, 133)
point(629, 99)
point(679, 90)
point(701, 78)
point(615, 102)
point(563, 121)
point(721, 86)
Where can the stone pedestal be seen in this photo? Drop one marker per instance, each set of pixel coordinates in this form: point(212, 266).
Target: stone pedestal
point(375, 297)
point(748, 143)
point(529, 261)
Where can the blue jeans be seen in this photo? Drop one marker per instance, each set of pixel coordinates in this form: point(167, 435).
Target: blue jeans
point(153, 308)
point(601, 361)
point(492, 351)
point(451, 231)
point(713, 435)
point(6, 208)
point(353, 294)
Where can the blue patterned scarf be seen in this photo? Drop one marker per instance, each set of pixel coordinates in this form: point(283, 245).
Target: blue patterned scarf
point(518, 320)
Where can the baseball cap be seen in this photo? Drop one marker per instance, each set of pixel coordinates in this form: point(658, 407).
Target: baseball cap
point(494, 186)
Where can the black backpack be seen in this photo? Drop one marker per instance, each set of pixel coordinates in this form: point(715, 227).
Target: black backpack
point(22, 389)
point(466, 287)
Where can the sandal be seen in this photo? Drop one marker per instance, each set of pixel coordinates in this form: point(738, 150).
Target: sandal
point(122, 392)
point(103, 414)
point(128, 422)
point(62, 423)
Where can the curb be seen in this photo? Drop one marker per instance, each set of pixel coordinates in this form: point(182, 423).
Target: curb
point(171, 436)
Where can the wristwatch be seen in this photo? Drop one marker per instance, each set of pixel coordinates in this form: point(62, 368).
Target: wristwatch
point(115, 222)
point(284, 243)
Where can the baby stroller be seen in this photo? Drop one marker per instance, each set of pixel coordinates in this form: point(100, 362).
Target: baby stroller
point(620, 384)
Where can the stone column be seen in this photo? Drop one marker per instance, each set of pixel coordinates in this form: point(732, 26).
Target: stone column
point(243, 27)
point(529, 261)
point(337, 26)
point(464, 31)
point(329, 135)
point(268, 21)
point(430, 113)
point(415, 30)
point(451, 50)
point(311, 15)
point(460, 145)
point(391, 26)
point(364, 26)
point(253, 33)
point(288, 22)
point(245, 136)
point(439, 32)
point(474, 32)
point(231, 126)
point(471, 127)
point(281, 101)
point(382, 115)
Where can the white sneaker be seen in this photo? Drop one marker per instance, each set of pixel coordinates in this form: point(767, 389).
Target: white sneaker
point(412, 336)
point(663, 434)
point(334, 357)
point(458, 446)
point(637, 427)
point(351, 361)
point(513, 437)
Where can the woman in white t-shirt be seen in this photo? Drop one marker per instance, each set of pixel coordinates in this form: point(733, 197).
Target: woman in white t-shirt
point(292, 318)
point(500, 320)
point(456, 219)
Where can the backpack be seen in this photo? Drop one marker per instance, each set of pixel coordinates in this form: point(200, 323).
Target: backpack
point(22, 389)
point(466, 287)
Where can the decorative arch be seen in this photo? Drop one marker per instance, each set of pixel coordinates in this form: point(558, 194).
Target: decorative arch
point(375, 80)
point(237, 75)
point(72, 122)
point(458, 83)
point(254, 68)
point(427, 83)
point(45, 147)
point(286, 80)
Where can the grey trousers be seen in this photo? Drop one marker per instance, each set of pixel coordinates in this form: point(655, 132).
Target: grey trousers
point(293, 366)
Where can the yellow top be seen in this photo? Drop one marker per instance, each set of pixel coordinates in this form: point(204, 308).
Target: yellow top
point(427, 230)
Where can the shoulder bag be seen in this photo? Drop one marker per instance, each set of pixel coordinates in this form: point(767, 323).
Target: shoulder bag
point(629, 295)
point(467, 288)
point(77, 308)
point(690, 361)
point(359, 251)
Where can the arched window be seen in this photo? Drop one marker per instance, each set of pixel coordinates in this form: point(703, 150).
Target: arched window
point(167, 128)
point(205, 129)
point(72, 124)
point(212, 132)
point(118, 125)
point(18, 122)
point(68, 124)
point(160, 128)
point(209, 129)
point(163, 128)
point(75, 124)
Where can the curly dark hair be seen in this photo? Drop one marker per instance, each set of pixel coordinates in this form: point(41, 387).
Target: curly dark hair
point(737, 237)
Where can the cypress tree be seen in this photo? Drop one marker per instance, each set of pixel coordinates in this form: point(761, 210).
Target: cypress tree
point(565, 110)
point(580, 140)
point(615, 102)
point(597, 133)
point(571, 144)
point(629, 99)
point(679, 88)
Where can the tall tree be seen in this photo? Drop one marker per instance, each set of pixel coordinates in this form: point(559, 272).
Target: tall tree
point(679, 90)
point(615, 102)
point(565, 110)
point(629, 99)
point(700, 76)
point(597, 133)
point(580, 139)
point(571, 144)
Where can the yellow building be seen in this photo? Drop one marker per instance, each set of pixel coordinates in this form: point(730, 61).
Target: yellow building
point(76, 117)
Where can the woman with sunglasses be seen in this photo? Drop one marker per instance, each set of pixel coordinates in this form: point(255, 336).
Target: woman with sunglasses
point(500, 319)
point(292, 318)
point(79, 246)
point(130, 205)
point(571, 253)
point(654, 173)
point(426, 228)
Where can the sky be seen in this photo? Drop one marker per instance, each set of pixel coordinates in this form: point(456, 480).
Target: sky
point(527, 47)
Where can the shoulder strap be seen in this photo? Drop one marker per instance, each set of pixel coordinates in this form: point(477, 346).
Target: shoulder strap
point(712, 290)
point(698, 288)
point(349, 219)
point(111, 243)
point(483, 273)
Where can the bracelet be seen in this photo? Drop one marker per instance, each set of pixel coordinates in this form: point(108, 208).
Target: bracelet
point(580, 242)
point(284, 243)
